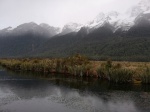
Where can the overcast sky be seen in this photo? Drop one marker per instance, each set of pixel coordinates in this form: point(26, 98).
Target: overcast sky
point(56, 12)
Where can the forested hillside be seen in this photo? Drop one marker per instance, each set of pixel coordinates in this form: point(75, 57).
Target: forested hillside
point(97, 43)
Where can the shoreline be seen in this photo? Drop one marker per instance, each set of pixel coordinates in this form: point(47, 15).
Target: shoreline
point(80, 66)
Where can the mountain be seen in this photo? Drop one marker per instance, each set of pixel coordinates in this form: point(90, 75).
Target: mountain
point(112, 35)
point(24, 39)
point(142, 7)
point(120, 21)
point(50, 29)
point(109, 35)
point(5, 32)
point(71, 27)
point(42, 29)
point(99, 21)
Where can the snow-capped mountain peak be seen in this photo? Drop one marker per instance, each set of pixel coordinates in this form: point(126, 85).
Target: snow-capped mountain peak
point(52, 30)
point(112, 17)
point(71, 27)
point(123, 21)
point(113, 14)
point(144, 4)
point(101, 19)
point(98, 20)
point(142, 7)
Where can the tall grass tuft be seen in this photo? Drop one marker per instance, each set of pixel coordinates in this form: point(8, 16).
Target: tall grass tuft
point(120, 75)
point(145, 77)
point(115, 73)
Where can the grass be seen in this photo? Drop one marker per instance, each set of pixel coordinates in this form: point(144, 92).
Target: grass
point(116, 72)
point(75, 65)
point(145, 76)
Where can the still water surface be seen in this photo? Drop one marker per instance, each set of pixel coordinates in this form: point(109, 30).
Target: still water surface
point(21, 92)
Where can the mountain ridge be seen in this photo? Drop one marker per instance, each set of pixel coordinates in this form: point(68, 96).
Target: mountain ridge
point(104, 37)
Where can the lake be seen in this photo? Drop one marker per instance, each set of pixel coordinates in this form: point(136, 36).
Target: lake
point(27, 92)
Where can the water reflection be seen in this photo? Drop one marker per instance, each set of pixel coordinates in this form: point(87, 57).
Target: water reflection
point(58, 94)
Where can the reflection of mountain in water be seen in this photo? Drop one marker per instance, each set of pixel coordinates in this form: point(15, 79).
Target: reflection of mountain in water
point(61, 95)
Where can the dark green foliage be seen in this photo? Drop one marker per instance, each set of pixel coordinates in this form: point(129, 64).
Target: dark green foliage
point(20, 46)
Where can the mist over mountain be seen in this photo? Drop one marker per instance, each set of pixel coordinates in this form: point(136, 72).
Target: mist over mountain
point(71, 27)
point(109, 35)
